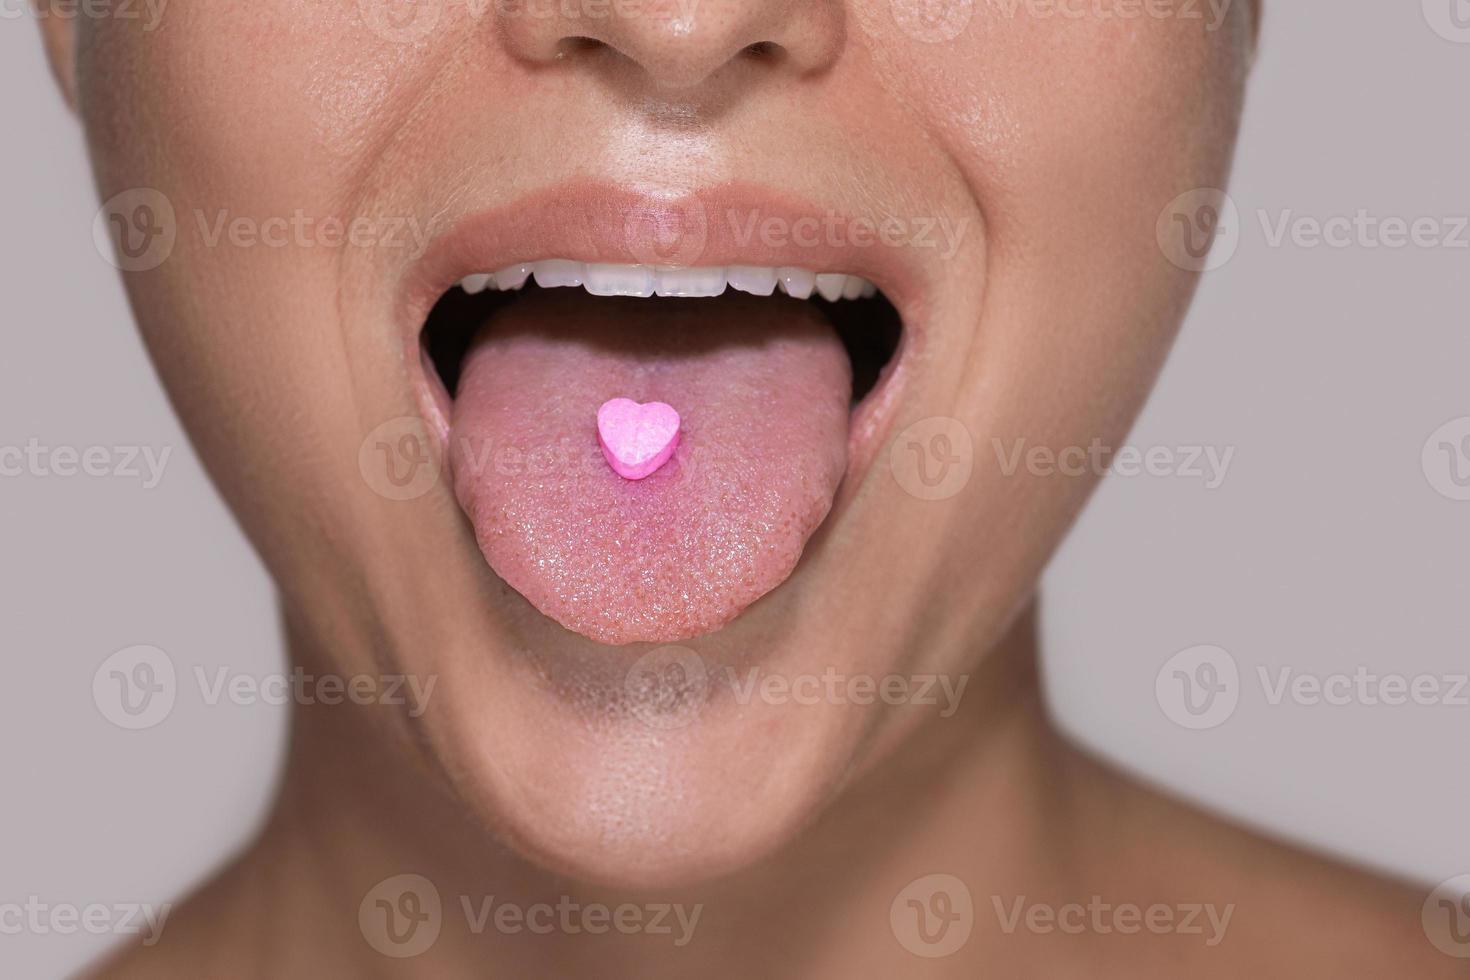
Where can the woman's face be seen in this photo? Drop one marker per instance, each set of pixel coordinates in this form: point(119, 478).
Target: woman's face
point(997, 168)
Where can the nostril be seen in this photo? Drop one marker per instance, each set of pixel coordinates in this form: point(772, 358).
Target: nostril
point(577, 44)
point(762, 51)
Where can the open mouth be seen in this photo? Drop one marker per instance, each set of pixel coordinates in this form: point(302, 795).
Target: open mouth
point(866, 322)
point(766, 367)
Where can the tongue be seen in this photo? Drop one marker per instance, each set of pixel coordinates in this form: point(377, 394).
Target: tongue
point(762, 387)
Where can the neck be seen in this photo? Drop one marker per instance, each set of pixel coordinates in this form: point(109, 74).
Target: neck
point(975, 795)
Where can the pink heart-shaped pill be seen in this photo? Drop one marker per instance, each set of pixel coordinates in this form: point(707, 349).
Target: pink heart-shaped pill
point(636, 439)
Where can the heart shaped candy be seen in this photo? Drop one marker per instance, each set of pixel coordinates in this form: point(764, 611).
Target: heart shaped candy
point(636, 439)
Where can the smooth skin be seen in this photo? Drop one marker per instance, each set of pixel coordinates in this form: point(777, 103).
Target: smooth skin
point(1055, 140)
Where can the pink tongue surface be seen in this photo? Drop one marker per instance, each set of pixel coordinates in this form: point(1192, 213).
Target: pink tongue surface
point(762, 386)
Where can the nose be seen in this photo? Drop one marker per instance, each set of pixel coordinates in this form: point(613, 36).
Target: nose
point(678, 44)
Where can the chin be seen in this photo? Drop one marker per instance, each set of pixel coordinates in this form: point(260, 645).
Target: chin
point(645, 765)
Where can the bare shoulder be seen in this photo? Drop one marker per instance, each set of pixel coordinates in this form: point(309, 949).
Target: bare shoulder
point(1286, 910)
point(186, 947)
point(213, 931)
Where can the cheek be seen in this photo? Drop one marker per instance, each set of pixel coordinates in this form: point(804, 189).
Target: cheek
point(244, 116)
point(1074, 134)
point(239, 99)
point(1038, 107)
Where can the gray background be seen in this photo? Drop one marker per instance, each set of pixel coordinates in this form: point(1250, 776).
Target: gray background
point(1326, 549)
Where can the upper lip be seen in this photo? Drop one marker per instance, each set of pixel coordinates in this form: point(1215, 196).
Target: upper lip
point(729, 225)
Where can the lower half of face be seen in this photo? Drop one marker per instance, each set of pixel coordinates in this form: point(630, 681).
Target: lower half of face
point(659, 381)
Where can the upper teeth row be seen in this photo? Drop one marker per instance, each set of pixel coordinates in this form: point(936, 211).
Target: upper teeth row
point(606, 279)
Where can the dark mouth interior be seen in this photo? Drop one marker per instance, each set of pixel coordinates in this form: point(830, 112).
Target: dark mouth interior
point(869, 328)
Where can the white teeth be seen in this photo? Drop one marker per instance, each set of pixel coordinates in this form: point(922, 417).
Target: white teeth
point(476, 283)
point(829, 285)
point(512, 276)
point(613, 279)
point(691, 282)
point(798, 283)
point(550, 273)
point(755, 279)
point(619, 280)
